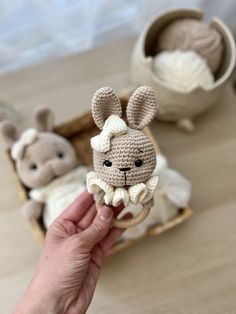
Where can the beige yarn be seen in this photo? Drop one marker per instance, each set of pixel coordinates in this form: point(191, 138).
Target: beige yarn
point(192, 34)
point(105, 103)
point(44, 154)
point(125, 150)
point(142, 108)
point(123, 157)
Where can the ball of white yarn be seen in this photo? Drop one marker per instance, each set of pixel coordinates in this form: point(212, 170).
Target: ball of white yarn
point(182, 71)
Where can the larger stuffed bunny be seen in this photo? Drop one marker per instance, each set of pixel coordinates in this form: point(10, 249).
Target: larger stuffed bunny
point(46, 163)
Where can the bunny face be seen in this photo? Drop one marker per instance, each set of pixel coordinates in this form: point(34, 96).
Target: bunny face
point(123, 156)
point(42, 157)
point(49, 157)
point(130, 160)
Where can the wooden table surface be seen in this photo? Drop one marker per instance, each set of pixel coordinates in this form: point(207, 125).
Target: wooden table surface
point(190, 269)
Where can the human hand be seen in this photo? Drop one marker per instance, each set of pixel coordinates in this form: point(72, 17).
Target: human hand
point(71, 260)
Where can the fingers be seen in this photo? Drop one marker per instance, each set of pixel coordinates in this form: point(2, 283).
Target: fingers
point(98, 229)
point(113, 236)
point(88, 218)
point(75, 211)
point(100, 250)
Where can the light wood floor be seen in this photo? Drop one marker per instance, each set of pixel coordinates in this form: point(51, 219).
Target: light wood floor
point(189, 270)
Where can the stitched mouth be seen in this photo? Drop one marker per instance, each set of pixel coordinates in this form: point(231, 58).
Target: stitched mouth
point(125, 177)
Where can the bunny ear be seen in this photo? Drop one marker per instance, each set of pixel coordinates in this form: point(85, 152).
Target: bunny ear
point(105, 103)
point(141, 108)
point(9, 133)
point(44, 119)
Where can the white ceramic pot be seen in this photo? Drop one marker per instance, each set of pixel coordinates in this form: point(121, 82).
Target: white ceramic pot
point(173, 105)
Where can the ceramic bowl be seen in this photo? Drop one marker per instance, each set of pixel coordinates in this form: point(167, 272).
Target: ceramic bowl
point(172, 105)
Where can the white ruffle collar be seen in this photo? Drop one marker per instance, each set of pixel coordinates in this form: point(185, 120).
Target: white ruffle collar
point(139, 193)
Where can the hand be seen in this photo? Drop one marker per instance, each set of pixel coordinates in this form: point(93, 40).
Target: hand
point(71, 260)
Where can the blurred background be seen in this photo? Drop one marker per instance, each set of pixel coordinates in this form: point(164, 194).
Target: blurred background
point(33, 31)
point(194, 265)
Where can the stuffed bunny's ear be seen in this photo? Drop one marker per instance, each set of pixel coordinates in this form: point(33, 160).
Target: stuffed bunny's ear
point(141, 108)
point(44, 119)
point(105, 103)
point(9, 133)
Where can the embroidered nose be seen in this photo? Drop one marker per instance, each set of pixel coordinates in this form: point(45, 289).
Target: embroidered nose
point(125, 169)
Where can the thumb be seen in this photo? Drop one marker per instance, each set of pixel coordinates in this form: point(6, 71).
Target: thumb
point(99, 227)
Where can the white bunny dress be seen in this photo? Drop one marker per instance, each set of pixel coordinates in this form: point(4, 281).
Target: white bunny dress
point(58, 194)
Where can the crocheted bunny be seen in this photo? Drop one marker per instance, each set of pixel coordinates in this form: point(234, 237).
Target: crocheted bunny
point(124, 157)
point(46, 164)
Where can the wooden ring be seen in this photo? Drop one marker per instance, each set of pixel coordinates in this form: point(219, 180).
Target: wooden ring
point(127, 223)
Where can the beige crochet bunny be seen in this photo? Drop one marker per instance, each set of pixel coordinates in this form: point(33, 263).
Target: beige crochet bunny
point(46, 163)
point(124, 157)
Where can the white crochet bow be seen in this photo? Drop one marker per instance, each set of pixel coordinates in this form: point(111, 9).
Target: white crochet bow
point(27, 137)
point(114, 126)
point(139, 193)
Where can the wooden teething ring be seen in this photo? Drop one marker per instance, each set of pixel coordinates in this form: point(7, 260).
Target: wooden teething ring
point(127, 223)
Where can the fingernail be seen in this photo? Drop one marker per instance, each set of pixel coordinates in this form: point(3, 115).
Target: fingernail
point(105, 213)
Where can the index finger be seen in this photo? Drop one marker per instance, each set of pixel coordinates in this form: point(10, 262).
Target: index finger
point(76, 210)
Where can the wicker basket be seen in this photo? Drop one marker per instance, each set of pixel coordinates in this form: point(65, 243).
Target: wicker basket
point(78, 132)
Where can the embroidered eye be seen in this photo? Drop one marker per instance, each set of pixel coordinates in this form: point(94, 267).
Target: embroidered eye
point(33, 167)
point(60, 155)
point(107, 163)
point(138, 163)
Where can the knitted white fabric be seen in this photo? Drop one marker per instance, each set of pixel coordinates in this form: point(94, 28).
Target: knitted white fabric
point(114, 126)
point(27, 137)
point(136, 194)
point(182, 71)
point(172, 193)
point(58, 194)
